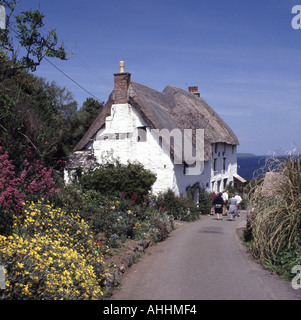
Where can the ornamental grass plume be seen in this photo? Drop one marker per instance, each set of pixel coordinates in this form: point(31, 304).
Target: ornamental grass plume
point(276, 221)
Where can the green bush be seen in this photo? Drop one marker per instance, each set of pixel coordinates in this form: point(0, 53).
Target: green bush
point(180, 207)
point(157, 225)
point(248, 234)
point(205, 202)
point(112, 179)
point(94, 197)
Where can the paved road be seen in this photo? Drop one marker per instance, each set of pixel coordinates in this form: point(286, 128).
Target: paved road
point(204, 260)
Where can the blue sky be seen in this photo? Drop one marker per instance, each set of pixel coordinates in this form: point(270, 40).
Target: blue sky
point(244, 56)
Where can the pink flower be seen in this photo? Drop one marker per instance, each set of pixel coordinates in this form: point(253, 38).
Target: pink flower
point(23, 175)
point(35, 181)
point(134, 197)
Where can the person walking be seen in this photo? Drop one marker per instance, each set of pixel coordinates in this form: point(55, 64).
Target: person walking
point(225, 198)
point(238, 204)
point(232, 208)
point(218, 204)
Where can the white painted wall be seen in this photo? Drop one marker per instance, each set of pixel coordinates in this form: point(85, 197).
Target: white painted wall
point(125, 121)
point(220, 177)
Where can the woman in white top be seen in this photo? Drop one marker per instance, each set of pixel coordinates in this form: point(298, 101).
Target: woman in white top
point(238, 204)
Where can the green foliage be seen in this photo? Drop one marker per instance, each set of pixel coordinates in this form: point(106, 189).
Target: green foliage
point(34, 116)
point(27, 30)
point(79, 122)
point(41, 117)
point(230, 188)
point(159, 231)
point(111, 179)
point(248, 234)
point(94, 197)
point(180, 207)
point(121, 219)
point(205, 202)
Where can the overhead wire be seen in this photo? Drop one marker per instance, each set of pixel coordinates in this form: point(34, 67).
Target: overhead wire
point(96, 75)
point(66, 75)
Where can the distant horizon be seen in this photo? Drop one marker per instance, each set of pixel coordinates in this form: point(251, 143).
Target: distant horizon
point(247, 154)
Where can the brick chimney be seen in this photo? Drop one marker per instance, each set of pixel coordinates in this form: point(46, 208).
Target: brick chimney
point(194, 90)
point(121, 85)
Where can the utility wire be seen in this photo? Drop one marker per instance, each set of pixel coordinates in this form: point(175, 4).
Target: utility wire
point(96, 75)
point(66, 75)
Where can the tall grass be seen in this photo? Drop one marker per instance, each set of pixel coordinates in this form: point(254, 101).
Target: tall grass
point(276, 218)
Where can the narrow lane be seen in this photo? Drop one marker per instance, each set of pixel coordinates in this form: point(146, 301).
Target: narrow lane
point(204, 260)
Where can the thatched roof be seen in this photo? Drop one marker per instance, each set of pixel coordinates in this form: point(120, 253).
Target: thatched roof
point(170, 109)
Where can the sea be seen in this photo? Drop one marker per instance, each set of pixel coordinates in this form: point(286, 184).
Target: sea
point(249, 167)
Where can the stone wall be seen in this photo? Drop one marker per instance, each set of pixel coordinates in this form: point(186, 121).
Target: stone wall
point(113, 279)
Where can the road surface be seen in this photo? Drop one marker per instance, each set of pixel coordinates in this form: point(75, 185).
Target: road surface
point(204, 260)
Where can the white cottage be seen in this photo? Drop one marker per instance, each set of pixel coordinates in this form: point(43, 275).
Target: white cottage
point(127, 129)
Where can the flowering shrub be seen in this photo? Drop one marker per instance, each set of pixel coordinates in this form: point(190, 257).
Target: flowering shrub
point(51, 255)
point(34, 182)
point(160, 229)
point(37, 180)
point(180, 207)
point(9, 184)
point(123, 218)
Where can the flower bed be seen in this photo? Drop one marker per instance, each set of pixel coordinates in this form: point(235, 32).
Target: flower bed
point(51, 255)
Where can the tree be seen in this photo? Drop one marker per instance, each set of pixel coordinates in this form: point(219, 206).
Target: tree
point(89, 111)
point(80, 122)
point(26, 30)
point(35, 116)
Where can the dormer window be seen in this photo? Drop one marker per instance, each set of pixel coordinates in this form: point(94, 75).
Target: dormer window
point(224, 164)
point(142, 134)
